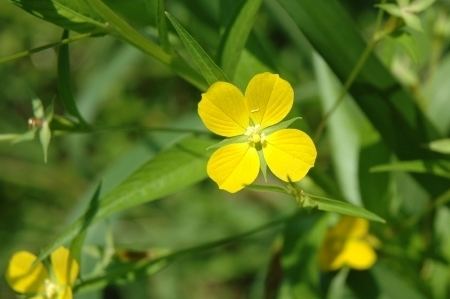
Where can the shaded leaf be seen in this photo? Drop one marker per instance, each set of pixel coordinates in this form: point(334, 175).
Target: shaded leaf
point(433, 167)
point(64, 81)
point(70, 14)
point(236, 34)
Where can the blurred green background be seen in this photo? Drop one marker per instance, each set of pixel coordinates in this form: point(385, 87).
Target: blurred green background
point(116, 85)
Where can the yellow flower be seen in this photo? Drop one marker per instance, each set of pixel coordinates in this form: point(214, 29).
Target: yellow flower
point(289, 153)
point(348, 244)
point(28, 276)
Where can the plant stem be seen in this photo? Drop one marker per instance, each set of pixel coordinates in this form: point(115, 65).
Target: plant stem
point(48, 46)
point(376, 37)
point(140, 268)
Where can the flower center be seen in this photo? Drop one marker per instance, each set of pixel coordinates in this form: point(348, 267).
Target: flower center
point(51, 289)
point(255, 137)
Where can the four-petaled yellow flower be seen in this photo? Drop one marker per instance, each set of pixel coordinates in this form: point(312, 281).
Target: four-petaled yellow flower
point(348, 244)
point(28, 276)
point(289, 153)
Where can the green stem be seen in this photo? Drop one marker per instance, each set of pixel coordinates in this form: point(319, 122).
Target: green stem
point(178, 254)
point(48, 46)
point(95, 130)
point(376, 37)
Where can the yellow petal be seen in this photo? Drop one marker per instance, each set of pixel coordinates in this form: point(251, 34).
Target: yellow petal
point(289, 153)
point(350, 227)
point(359, 255)
point(66, 293)
point(223, 110)
point(234, 166)
point(63, 263)
point(269, 99)
point(25, 274)
point(330, 255)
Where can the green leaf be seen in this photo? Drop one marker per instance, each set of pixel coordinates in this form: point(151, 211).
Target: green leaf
point(393, 284)
point(441, 146)
point(412, 21)
point(125, 31)
point(341, 130)
point(88, 217)
point(433, 167)
point(64, 81)
point(391, 9)
point(236, 34)
point(341, 207)
point(282, 125)
point(70, 14)
point(390, 108)
point(162, 25)
point(420, 5)
point(168, 172)
point(337, 288)
point(302, 240)
point(205, 65)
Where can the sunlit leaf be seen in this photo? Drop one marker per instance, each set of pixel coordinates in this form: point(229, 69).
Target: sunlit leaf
point(341, 207)
point(205, 65)
point(440, 146)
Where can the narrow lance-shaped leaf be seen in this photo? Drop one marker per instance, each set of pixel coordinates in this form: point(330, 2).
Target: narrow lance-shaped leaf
point(70, 14)
point(205, 65)
point(236, 35)
point(162, 25)
point(341, 207)
point(169, 172)
point(87, 219)
point(64, 81)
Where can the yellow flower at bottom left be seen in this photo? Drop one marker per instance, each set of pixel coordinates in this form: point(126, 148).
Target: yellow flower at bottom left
point(28, 276)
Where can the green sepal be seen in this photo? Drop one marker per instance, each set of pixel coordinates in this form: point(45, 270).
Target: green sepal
point(280, 126)
point(263, 164)
point(227, 141)
point(45, 136)
point(38, 108)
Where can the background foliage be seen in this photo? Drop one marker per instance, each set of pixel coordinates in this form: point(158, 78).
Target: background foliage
point(136, 76)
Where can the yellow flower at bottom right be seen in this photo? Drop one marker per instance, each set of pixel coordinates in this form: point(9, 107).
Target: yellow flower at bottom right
point(348, 244)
